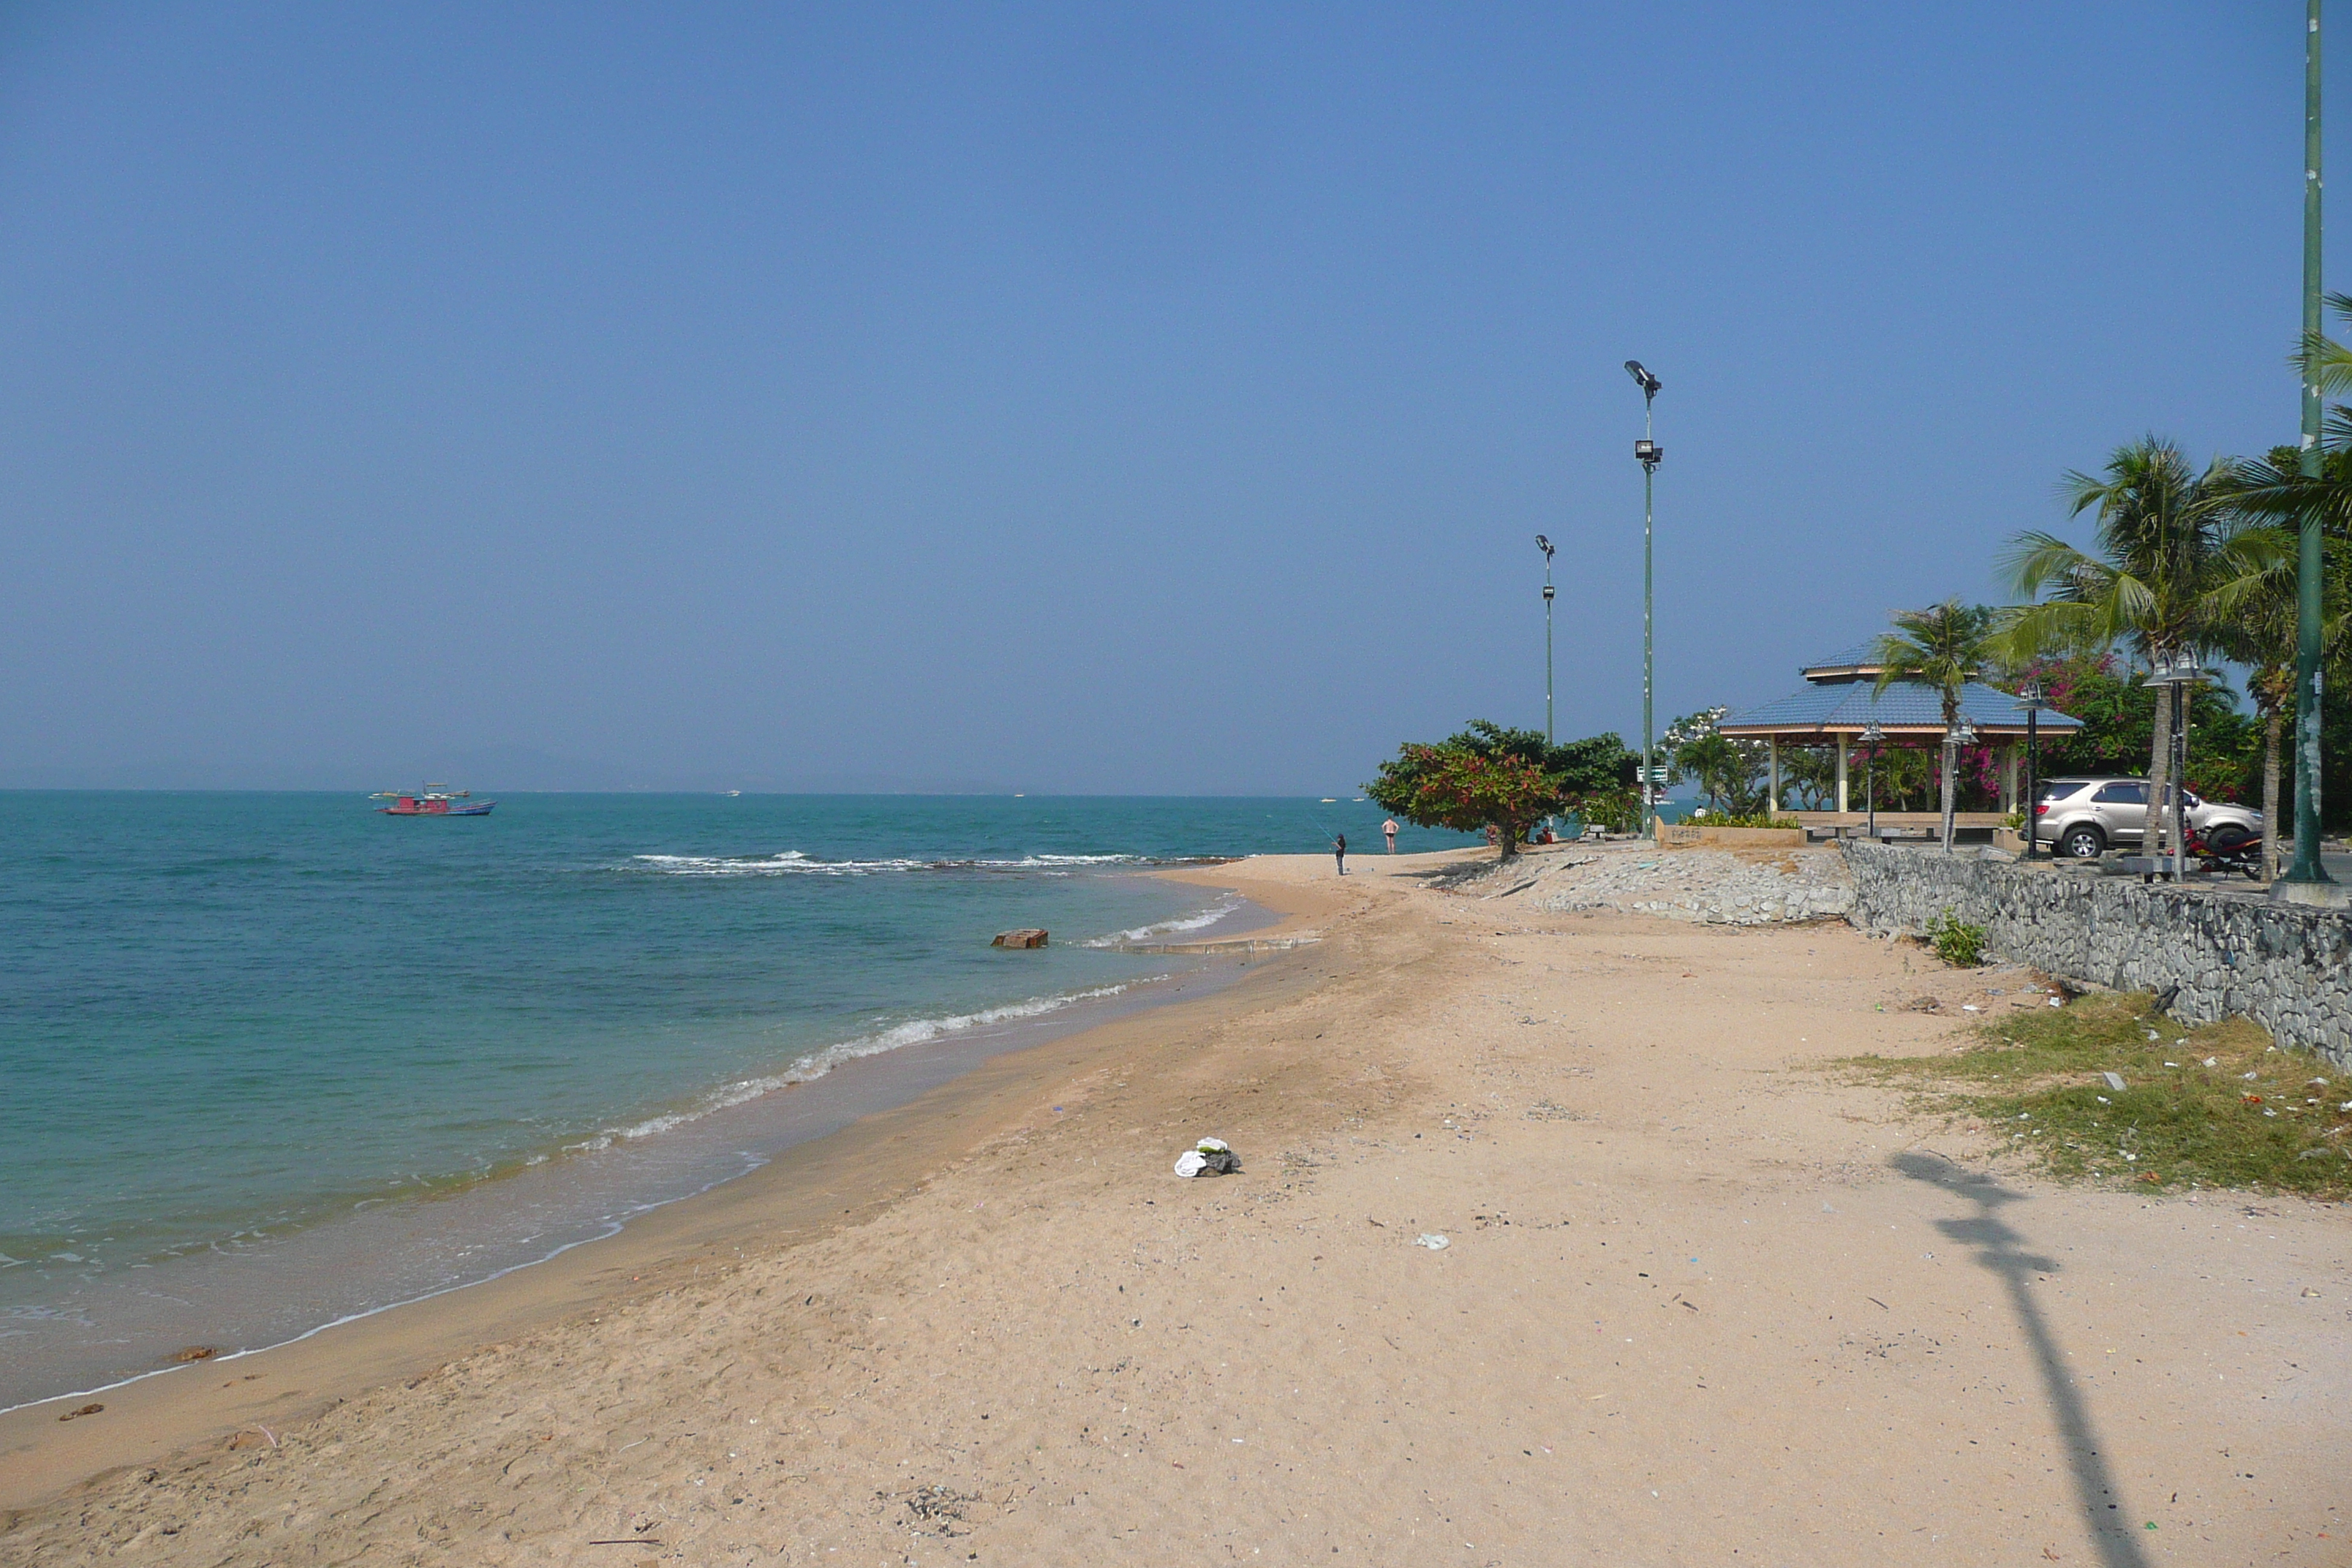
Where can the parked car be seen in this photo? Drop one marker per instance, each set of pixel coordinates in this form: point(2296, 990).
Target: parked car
point(2082, 818)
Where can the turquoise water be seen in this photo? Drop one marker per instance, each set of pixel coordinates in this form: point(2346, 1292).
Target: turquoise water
point(232, 1023)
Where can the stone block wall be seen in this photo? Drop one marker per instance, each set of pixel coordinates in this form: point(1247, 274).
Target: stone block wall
point(2287, 967)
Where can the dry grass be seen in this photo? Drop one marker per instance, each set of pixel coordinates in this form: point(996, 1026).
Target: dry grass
point(2216, 1105)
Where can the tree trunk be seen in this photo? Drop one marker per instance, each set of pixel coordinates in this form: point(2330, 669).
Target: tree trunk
point(1950, 755)
point(2272, 722)
point(1509, 835)
point(2152, 838)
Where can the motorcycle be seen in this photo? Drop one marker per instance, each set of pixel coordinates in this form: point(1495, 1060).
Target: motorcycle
point(2229, 848)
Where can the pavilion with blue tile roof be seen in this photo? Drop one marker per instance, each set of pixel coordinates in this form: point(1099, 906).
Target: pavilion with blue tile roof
point(1841, 699)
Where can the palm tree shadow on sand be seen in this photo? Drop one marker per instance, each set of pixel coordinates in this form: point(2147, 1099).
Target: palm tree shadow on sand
point(2001, 1248)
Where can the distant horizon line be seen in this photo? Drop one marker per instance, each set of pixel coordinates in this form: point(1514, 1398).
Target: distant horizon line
point(711, 794)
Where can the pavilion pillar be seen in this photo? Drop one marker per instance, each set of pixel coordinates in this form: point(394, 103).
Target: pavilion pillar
point(2008, 778)
point(1841, 772)
point(1772, 786)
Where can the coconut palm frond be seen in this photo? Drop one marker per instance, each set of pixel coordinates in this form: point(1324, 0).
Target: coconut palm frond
point(2035, 562)
point(2054, 626)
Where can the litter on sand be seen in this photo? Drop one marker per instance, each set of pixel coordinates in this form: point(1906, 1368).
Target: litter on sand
point(2114, 1080)
point(1434, 1243)
point(1209, 1157)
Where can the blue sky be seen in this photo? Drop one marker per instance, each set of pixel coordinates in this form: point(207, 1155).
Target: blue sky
point(1074, 398)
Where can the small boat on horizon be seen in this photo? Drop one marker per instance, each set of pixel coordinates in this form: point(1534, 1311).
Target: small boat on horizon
point(431, 802)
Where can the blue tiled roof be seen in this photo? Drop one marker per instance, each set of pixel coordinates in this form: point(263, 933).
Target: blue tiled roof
point(1861, 653)
point(1905, 705)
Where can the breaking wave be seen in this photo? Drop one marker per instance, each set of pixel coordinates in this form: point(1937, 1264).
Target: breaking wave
point(1208, 917)
point(794, 863)
point(817, 1064)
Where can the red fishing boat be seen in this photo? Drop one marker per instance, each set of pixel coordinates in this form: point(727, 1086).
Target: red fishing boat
point(431, 802)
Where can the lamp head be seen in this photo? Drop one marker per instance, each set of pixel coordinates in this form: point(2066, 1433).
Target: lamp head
point(1545, 545)
point(1642, 378)
point(2033, 694)
point(1871, 735)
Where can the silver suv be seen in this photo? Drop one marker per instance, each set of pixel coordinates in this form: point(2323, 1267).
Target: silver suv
point(2082, 818)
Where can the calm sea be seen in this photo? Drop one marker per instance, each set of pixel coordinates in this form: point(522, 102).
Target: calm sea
point(243, 1037)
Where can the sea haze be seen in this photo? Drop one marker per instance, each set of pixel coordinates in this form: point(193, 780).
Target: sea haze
point(243, 1034)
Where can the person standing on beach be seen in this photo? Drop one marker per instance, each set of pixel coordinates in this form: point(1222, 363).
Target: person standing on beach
point(1340, 852)
point(1389, 828)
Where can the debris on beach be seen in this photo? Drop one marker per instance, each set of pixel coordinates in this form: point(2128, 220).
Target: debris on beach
point(1923, 1005)
point(1027, 936)
point(194, 1353)
point(85, 1410)
point(1432, 1240)
point(1209, 1157)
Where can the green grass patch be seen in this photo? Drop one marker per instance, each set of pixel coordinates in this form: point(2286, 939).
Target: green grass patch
point(2213, 1106)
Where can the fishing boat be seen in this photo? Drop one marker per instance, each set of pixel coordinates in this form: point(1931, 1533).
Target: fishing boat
point(431, 802)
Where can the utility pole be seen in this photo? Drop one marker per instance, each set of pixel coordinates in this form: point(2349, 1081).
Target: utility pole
point(2307, 870)
point(1647, 452)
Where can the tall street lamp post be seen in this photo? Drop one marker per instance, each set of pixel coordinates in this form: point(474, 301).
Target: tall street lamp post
point(1545, 545)
point(2307, 870)
point(1647, 452)
point(2032, 696)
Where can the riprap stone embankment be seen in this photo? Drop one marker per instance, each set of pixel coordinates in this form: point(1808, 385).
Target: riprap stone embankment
point(1708, 887)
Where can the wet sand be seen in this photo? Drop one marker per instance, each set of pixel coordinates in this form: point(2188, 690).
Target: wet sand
point(1696, 1302)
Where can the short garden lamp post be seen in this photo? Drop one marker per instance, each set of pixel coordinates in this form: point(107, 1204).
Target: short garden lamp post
point(2177, 673)
point(1873, 737)
point(2032, 696)
point(1961, 733)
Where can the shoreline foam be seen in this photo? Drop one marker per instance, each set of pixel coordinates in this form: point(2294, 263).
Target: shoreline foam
point(298, 1280)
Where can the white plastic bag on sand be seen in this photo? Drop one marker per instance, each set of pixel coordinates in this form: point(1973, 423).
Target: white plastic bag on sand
point(1209, 1157)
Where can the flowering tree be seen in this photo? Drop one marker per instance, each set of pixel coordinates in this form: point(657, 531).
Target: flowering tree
point(1458, 786)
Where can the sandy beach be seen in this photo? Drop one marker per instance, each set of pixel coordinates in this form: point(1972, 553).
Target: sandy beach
point(1553, 1244)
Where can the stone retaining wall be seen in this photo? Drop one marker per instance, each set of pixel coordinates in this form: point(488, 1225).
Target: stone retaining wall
point(2287, 967)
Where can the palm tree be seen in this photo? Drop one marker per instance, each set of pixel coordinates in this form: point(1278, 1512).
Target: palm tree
point(1942, 646)
point(2259, 632)
point(2174, 558)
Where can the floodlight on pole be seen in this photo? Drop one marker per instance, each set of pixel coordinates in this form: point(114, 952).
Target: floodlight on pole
point(1649, 454)
point(1545, 546)
point(2302, 880)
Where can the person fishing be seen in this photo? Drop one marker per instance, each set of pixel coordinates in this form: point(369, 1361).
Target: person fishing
point(1340, 851)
